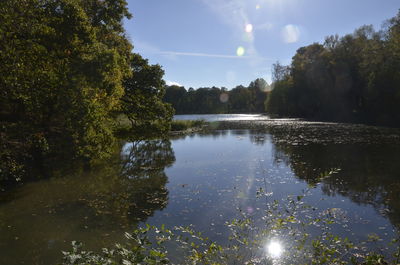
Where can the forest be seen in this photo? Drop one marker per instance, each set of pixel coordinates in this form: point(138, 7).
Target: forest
point(354, 78)
point(216, 100)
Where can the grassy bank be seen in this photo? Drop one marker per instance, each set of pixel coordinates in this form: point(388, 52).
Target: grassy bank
point(184, 125)
point(123, 126)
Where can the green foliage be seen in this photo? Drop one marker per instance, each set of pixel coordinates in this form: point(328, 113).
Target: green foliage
point(218, 100)
point(277, 101)
point(140, 252)
point(305, 233)
point(62, 70)
point(353, 78)
point(142, 100)
point(67, 70)
point(182, 125)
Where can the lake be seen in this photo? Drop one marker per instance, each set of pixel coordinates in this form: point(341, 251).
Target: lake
point(240, 165)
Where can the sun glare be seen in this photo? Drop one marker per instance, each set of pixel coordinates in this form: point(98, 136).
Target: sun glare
point(274, 249)
point(249, 28)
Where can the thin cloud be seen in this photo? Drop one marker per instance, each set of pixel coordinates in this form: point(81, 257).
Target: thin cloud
point(172, 83)
point(147, 48)
point(265, 26)
point(199, 54)
point(211, 55)
point(144, 47)
point(236, 14)
point(231, 12)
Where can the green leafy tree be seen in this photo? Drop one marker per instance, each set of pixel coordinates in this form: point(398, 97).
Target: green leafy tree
point(353, 78)
point(277, 101)
point(142, 101)
point(176, 96)
point(63, 62)
point(258, 89)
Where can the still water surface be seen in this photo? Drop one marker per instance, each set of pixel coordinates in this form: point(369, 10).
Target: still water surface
point(207, 179)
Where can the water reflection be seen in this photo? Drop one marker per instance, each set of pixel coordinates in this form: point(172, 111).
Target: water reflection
point(368, 174)
point(253, 164)
point(97, 207)
point(366, 157)
point(216, 175)
point(258, 139)
point(223, 117)
point(143, 165)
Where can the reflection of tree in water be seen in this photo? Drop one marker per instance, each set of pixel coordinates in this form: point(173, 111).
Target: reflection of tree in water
point(368, 157)
point(240, 132)
point(96, 206)
point(368, 173)
point(214, 133)
point(258, 138)
point(143, 165)
point(137, 188)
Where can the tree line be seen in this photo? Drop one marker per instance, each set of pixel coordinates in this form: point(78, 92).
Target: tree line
point(354, 78)
point(216, 100)
point(67, 72)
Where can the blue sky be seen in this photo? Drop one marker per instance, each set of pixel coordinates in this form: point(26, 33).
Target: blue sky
point(203, 43)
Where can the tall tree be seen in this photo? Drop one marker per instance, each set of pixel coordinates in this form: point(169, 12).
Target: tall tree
point(142, 101)
point(63, 62)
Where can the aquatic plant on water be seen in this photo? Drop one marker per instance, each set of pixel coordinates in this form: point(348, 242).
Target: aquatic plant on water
point(290, 232)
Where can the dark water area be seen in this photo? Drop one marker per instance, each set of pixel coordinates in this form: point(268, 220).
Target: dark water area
point(209, 178)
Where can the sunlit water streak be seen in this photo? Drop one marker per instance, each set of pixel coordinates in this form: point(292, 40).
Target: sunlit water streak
point(274, 249)
point(223, 117)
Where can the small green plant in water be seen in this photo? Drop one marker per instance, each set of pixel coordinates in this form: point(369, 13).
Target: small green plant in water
point(290, 232)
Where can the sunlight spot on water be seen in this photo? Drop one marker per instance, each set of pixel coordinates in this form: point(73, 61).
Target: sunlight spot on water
point(291, 33)
point(240, 51)
point(258, 7)
point(274, 249)
point(249, 28)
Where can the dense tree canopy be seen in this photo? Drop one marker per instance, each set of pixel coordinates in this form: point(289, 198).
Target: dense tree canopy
point(63, 68)
point(352, 78)
point(218, 100)
point(142, 100)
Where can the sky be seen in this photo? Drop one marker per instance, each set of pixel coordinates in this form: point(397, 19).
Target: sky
point(225, 43)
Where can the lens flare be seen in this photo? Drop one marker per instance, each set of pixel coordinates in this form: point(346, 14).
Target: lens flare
point(249, 28)
point(274, 249)
point(264, 87)
point(240, 51)
point(291, 33)
point(224, 97)
point(248, 37)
